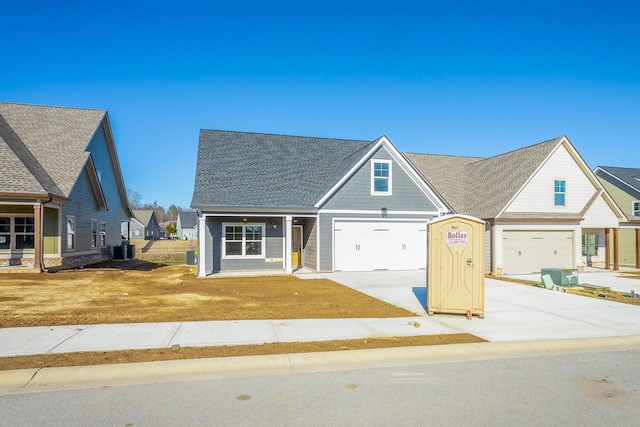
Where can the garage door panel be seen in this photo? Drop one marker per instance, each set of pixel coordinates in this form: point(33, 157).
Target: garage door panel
point(527, 252)
point(361, 246)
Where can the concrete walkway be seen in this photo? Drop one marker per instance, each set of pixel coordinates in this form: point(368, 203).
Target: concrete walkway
point(513, 312)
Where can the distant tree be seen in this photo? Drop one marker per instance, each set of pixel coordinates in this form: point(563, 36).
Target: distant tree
point(170, 228)
point(135, 199)
point(172, 213)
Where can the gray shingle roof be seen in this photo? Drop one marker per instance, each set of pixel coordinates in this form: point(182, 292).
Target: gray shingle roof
point(188, 219)
point(143, 215)
point(50, 142)
point(629, 176)
point(478, 186)
point(255, 170)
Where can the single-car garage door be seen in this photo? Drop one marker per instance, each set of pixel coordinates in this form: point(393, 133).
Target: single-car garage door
point(529, 251)
point(368, 246)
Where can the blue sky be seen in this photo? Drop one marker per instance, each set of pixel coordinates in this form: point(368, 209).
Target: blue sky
point(458, 77)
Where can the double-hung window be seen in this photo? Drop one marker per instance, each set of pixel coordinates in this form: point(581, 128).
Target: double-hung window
point(5, 232)
point(24, 228)
point(635, 208)
point(71, 233)
point(559, 192)
point(243, 241)
point(590, 244)
point(94, 233)
point(381, 177)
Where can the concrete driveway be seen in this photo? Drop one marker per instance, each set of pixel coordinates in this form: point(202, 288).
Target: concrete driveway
point(513, 312)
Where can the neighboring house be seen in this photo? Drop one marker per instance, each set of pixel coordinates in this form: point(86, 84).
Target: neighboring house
point(144, 225)
point(187, 225)
point(542, 205)
point(281, 202)
point(62, 196)
point(624, 186)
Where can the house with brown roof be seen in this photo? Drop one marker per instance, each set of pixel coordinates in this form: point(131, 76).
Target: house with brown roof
point(624, 186)
point(543, 206)
point(144, 225)
point(62, 195)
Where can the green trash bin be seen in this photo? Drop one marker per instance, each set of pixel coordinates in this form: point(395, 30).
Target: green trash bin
point(562, 276)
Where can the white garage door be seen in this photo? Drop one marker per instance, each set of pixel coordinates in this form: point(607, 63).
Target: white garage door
point(529, 251)
point(368, 246)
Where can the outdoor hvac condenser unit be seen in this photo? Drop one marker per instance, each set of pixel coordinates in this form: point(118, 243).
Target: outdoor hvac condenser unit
point(455, 272)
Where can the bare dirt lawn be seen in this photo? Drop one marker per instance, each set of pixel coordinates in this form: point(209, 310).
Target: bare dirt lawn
point(137, 291)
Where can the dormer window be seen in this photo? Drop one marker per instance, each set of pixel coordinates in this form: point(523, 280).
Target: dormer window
point(559, 192)
point(381, 177)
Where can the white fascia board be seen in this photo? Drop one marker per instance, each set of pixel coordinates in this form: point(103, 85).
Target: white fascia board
point(377, 212)
point(350, 173)
point(400, 159)
point(625, 183)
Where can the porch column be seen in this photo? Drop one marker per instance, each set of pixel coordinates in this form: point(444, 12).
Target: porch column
point(616, 265)
point(38, 219)
point(607, 249)
point(637, 247)
point(201, 246)
point(288, 231)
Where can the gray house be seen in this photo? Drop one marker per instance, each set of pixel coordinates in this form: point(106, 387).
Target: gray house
point(62, 196)
point(144, 225)
point(187, 225)
point(282, 202)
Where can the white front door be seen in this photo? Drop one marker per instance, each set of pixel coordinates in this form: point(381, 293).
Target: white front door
point(368, 246)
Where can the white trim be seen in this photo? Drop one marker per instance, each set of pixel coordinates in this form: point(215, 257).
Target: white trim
point(67, 234)
point(389, 178)
point(615, 177)
point(202, 256)
point(243, 241)
point(350, 172)
point(635, 212)
point(377, 212)
point(287, 244)
point(564, 193)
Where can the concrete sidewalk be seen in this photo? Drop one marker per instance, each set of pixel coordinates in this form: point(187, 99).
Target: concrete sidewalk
point(513, 312)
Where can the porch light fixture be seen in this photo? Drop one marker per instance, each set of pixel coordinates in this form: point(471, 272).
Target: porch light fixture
point(244, 219)
point(274, 225)
point(384, 212)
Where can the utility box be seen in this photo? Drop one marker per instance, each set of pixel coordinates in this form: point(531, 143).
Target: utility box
point(192, 257)
point(455, 267)
point(561, 276)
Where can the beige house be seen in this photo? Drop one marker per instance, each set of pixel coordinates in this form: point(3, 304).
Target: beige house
point(543, 206)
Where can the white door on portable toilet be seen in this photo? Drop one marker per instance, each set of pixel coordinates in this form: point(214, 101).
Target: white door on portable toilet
point(455, 274)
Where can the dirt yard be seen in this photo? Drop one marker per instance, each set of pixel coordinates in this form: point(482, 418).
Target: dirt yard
point(137, 291)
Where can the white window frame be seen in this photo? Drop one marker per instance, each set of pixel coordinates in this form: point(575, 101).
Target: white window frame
point(14, 235)
point(635, 208)
point(389, 178)
point(244, 240)
point(71, 234)
point(564, 193)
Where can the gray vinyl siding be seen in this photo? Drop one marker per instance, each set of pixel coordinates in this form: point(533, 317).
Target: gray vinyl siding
point(356, 193)
point(274, 242)
point(116, 212)
point(83, 205)
point(136, 230)
point(310, 244)
point(325, 222)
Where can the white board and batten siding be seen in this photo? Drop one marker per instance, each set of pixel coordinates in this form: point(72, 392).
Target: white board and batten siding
point(383, 245)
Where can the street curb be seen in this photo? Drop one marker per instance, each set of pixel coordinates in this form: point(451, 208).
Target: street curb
point(82, 377)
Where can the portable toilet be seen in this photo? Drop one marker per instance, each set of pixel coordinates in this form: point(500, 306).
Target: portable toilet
point(455, 267)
